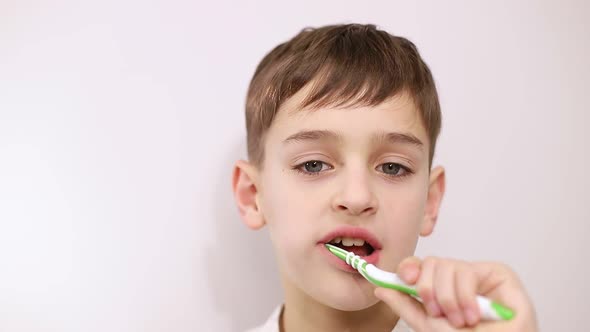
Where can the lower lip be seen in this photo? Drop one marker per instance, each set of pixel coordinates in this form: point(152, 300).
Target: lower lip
point(373, 258)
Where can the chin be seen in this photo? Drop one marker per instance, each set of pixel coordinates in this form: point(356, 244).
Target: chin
point(355, 299)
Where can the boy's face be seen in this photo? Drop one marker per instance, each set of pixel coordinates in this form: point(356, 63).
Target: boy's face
point(358, 173)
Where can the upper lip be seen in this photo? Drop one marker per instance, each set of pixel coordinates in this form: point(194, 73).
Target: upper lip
point(353, 232)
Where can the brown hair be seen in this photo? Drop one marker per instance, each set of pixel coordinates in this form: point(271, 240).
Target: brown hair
point(350, 65)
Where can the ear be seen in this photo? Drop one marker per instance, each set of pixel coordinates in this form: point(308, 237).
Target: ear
point(436, 190)
point(246, 194)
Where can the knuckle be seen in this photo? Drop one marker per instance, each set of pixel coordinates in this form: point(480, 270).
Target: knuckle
point(447, 302)
point(466, 277)
point(466, 299)
point(503, 267)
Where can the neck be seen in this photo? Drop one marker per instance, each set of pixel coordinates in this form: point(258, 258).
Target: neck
point(303, 313)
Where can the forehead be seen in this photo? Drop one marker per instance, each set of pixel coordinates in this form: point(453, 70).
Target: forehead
point(397, 114)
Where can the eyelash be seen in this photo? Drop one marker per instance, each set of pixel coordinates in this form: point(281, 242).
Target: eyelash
point(299, 168)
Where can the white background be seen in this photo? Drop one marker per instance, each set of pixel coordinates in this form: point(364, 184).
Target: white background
point(120, 122)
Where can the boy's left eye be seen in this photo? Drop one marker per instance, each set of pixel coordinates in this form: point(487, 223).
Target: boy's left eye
point(394, 169)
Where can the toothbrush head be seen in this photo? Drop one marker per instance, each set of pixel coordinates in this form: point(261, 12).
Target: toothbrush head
point(338, 252)
point(350, 258)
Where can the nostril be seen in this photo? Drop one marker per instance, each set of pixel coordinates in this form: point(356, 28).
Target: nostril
point(367, 210)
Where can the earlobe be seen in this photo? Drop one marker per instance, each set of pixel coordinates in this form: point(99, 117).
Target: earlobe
point(246, 194)
point(436, 190)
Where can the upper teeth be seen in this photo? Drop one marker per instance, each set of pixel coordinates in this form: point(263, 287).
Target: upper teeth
point(348, 242)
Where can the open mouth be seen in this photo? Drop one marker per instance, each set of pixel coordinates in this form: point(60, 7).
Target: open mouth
point(355, 245)
point(358, 240)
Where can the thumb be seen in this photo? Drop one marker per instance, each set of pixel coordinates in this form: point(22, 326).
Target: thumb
point(408, 309)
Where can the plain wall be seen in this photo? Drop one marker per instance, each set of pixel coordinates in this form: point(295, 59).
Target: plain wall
point(120, 122)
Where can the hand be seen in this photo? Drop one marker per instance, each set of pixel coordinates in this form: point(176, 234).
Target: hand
point(449, 288)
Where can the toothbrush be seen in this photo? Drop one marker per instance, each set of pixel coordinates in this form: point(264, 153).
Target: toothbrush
point(489, 310)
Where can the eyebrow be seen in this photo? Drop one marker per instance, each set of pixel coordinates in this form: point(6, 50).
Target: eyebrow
point(388, 137)
point(399, 138)
point(313, 135)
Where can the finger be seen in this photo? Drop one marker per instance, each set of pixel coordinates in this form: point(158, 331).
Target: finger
point(424, 286)
point(409, 269)
point(466, 288)
point(501, 284)
point(445, 294)
point(408, 309)
point(491, 275)
point(487, 276)
point(497, 282)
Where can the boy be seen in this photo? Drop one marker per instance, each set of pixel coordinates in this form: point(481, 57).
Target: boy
point(342, 123)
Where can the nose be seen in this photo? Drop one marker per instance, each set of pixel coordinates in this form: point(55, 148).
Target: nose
point(355, 196)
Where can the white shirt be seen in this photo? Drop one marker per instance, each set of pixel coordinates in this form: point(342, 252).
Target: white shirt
point(272, 324)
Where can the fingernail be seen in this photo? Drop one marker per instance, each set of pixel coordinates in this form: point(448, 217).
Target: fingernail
point(471, 316)
point(433, 309)
point(456, 319)
point(409, 273)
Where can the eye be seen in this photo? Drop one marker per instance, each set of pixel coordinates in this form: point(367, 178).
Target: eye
point(394, 169)
point(313, 167)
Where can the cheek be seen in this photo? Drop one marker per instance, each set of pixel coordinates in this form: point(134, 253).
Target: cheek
point(404, 202)
point(403, 210)
point(287, 210)
point(290, 232)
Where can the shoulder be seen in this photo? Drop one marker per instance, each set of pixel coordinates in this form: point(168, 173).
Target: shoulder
point(271, 324)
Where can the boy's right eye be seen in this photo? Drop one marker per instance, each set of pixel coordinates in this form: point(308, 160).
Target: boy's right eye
point(313, 167)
